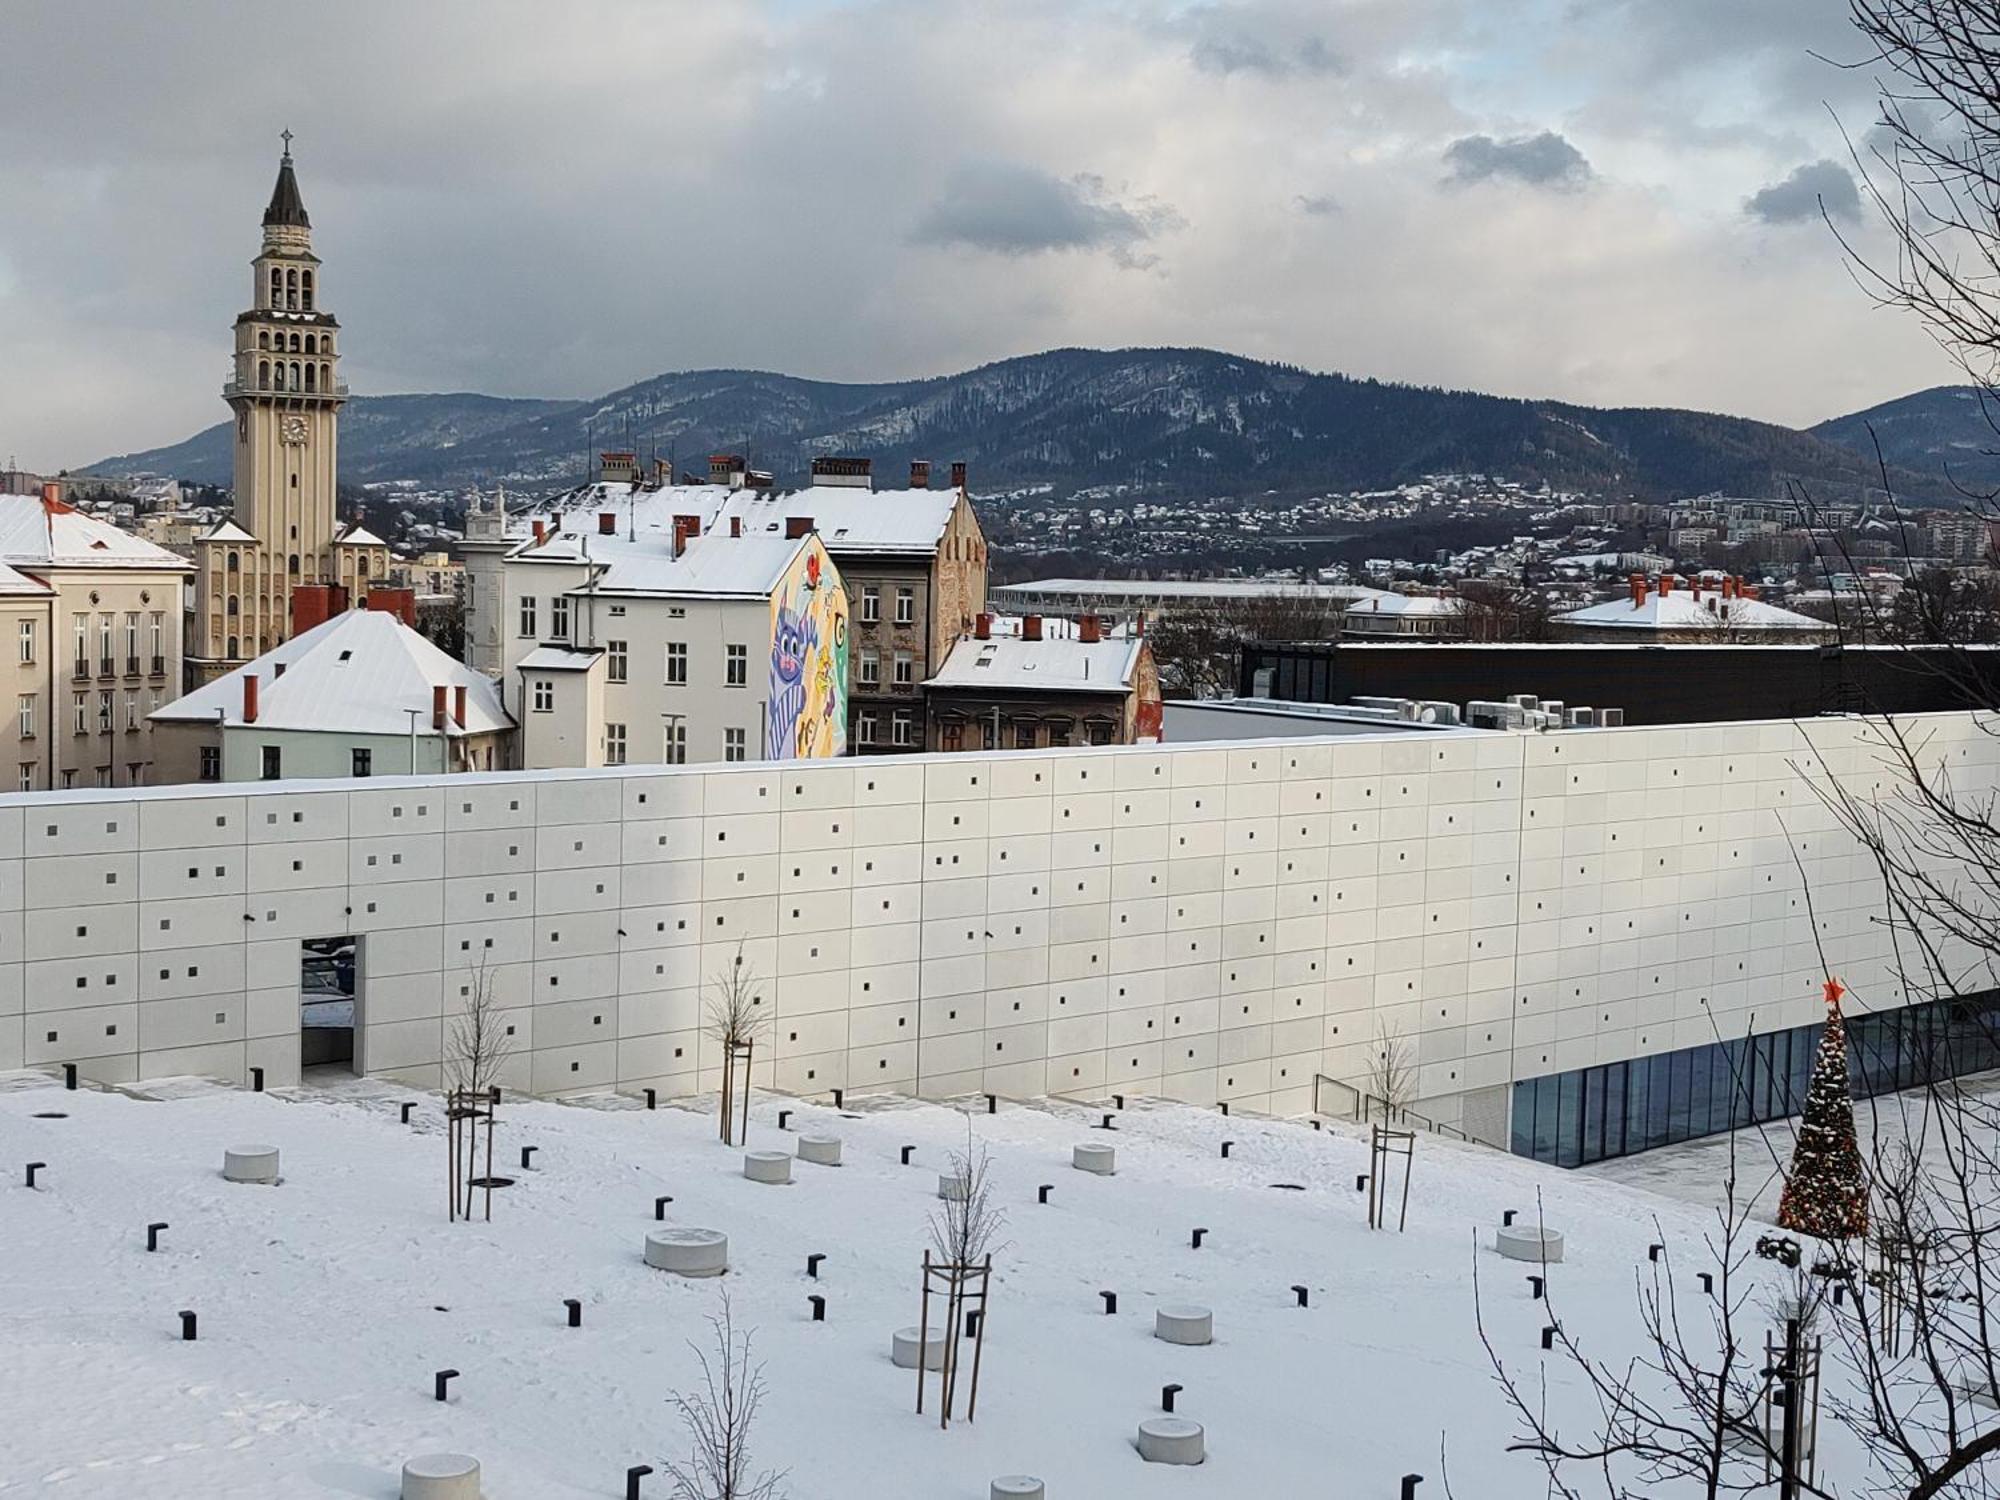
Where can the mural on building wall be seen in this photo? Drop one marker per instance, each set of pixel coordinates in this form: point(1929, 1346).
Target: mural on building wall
point(807, 714)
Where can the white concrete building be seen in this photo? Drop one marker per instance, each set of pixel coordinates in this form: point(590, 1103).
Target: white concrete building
point(1208, 923)
point(361, 694)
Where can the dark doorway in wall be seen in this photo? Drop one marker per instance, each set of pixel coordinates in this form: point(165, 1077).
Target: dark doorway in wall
point(329, 1004)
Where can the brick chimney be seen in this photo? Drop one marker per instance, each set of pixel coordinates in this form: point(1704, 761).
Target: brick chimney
point(458, 705)
point(1088, 630)
point(686, 529)
point(1638, 581)
point(1666, 584)
point(607, 523)
point(958, 475)
point(438, 695)
point(736, 526)
point(402, 603)
point(541, 532)
point(982, 627)
point(249, 697)
point(797, 526)
point(1031, 628)
point(52, 500)
point(920, 473)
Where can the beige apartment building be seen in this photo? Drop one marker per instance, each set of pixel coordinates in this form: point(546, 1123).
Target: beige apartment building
point(90, 617)
point(286, 393)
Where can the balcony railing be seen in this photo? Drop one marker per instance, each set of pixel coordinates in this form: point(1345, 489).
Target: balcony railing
point(159, 667)
point(131, 666)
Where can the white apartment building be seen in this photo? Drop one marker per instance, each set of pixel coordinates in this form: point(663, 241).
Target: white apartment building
point(641, 638)
point(91, 617)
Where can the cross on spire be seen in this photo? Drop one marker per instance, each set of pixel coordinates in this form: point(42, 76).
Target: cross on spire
point(286, 136)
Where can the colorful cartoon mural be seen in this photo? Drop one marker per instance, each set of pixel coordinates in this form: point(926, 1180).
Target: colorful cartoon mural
point(806, 716)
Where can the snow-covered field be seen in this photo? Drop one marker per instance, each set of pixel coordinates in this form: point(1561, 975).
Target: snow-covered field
point(326, 1303)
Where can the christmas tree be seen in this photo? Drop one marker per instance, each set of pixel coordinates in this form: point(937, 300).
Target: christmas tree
point(1826, 1192)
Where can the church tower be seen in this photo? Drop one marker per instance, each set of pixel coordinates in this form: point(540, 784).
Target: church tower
point(285, 392)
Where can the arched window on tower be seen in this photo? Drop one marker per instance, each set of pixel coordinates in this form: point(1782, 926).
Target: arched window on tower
point(230, 608)
point(326, 378)
point(295, 565)
point(277, 295)
point(306, 290)
point(234, 565)
point(231, 652)
point(292, 289)
point(312, 377)
point(295, 375)
point(312, 344)
point(361, 565)
point(264, 373)
point(295, 343)
point(263, 338)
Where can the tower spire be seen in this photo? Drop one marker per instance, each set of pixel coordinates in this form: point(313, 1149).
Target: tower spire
point(287, 208)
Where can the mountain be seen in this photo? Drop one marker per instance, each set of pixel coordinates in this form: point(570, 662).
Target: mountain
point(1953, 430)
point(1172, 421)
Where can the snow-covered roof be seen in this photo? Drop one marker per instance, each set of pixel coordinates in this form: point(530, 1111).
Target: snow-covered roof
point(849, 519)
point(359, 673)
point(16, 584)
point(1045, 666)
point(1681, 610)
point(1409, 605)
point(229, 531)
point(358, 535)
point(560, 659)
point(1083, 589)
point(714, 566)
point(35, 534)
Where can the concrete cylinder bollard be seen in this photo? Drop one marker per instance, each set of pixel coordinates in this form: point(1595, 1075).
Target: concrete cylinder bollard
point(1017, 1487)
point(1528, 1242)
point(903, 1348)
point(768, 1166)
point(688, 1252)
point(1103, 1160)
point(250, 1164)
point(1171, 1440)
point(954, 1186)
point(441, 1476)
point(1186, 1324)
point(821, 1150)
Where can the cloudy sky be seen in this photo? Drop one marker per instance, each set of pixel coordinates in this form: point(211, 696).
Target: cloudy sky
point(1608, 201)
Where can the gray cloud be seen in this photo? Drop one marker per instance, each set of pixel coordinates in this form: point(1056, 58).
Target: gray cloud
point(1801, 196)
point(1269, 38)
point(1318, 205)
point(1012, 209)
point(1545, 160)
point(1242, 53)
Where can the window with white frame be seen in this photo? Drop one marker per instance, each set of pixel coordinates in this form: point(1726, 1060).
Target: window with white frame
point(614, 661)
point(132, 710)
point(107, 629)
point(544, 696)
point(871, 604)
point(132, 640)
point(211, 763)
point(27, 782)
point(676, 744)
point(614, 744)
point(80, 713)
point(864, 728)
point(81, 626)
point(27, 716)
point(871, 669)
point(27, 643)
point(905, 669)
point(158, 637)
point(899, 728)
point(906, 606)
point(736, 666)
point(106, 709)
point(677, 663)
point(528, 616)
point(559, 617)
point(735, 744)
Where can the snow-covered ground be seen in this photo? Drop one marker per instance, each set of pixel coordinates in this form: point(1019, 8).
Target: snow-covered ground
point(326, 1303)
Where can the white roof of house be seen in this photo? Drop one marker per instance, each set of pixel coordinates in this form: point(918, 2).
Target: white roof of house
point(848, 518)
point(36, 535)
point(714, 566)
point(1044, 666)
point(228, 531)
point(559, 659)
point(1186, 588)
point(358, 535)
point(1680, 610)
point(1412, 605)
point(359, 673)
point(14, 584)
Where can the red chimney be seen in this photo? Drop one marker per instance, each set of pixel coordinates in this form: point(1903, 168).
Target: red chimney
point(249, 697)
point(958, 475)
point(607, 523)
point(437, 706)
point(1031, 628)
point(1744, 590)
point(458, 705)
point(541, 532)
point(686, 529)
point(316, 603)
point(1666, 584)
point(52, 500)
point(736, 526)
point(1638, 590)
point(920, 473)
point(402, 603)
point(982, 627)
point(1088, 631)
point(1694, 583)
point(797, 526)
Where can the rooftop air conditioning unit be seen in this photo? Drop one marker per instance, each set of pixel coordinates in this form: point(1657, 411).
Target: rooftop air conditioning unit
point(1438, 713)
point(1489, 715)
point(1611, 718)
point(1581, 718)
point(1526, 702)
point(1553, 707)
point(1393, 704)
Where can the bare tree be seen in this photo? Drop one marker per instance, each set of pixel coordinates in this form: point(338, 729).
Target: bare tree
point(1392, 1069)
point(964, 1226)
point(480, 1046)
point(1491, 610)
point(1198, 649)
point(736, 1023)
point(719, 1416)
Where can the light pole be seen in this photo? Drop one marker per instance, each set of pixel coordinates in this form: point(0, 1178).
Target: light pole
point(414, 713)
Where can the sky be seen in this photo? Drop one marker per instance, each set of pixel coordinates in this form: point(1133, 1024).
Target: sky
point(1615, 202)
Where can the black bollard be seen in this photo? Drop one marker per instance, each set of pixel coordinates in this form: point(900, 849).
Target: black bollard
point(405, 1111)
point(972, 1323)
point(69, 1077)
point(257, 1080)
point(783, 1116)
point(1315, 1124)
point(652, 1098)
point(187, 1326)
point(838, 1102)
point(908, 1152)
point(1106, 1124)
point(153, 1234)
point(1042, 1192)
point(1167, 1394)
point(1361, 1182)
point(632, 1477)
point(1300, 1292)
point(993, 1104)
point(1110, 1302)
point(1535, 1285)
point(440, 1382)
point(1225, 1149)
point(1507, 1219)
point(528, 1157)
point(33, 1168)
point(660, 1206)
point(818, 1306)
point(1707, 1280)
point(812, 1263)
point(493, 1094)
point(1197, 1238)
point(575, 1311)
point(1119, 1100)
point(1224, 1107)
point(1653, 1251)
point(1549, 1336)
point(1410, 1483)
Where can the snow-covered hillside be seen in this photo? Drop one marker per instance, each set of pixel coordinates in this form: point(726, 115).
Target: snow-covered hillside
point(326, 1303)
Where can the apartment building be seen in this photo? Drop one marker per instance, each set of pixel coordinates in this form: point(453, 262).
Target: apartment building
point(1036, 684)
